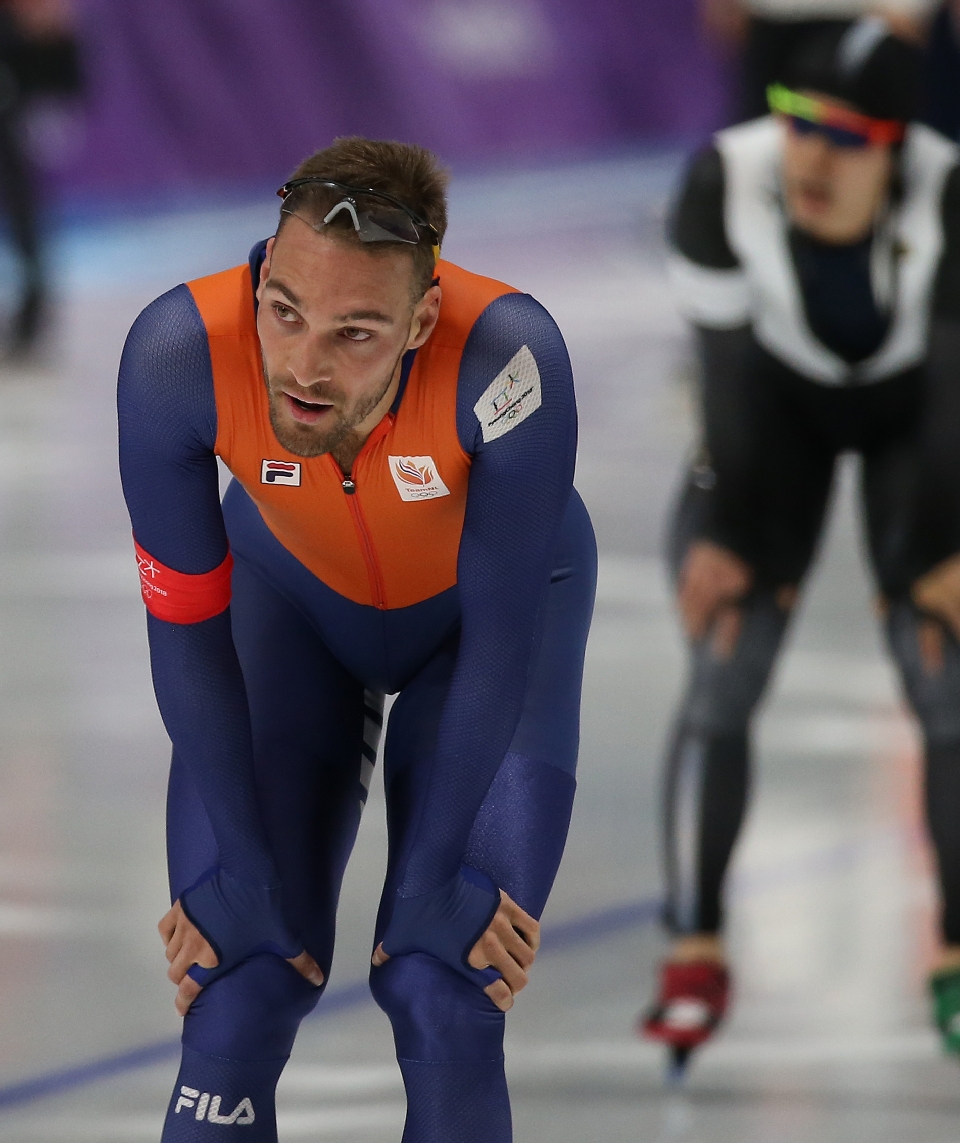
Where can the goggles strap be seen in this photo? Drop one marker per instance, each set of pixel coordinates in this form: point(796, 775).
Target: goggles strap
point(825, 114)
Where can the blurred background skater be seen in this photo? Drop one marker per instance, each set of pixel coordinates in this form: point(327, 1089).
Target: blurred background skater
point(762, 35)
point(816, 253)
point(38, 56)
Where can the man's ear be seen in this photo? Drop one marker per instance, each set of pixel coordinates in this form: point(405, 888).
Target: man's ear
point(265, 264)
point(425, 317)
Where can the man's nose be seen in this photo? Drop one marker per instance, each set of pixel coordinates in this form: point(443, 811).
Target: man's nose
point(307, 364)
point(819, 148)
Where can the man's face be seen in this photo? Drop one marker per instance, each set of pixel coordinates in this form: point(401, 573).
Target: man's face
point(833, 193)
point(334, 322)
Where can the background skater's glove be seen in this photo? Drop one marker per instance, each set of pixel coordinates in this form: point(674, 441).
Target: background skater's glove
point(447, 923)
point(238, 919)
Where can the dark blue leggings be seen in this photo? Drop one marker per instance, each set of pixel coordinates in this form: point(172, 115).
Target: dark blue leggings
point(308, 716)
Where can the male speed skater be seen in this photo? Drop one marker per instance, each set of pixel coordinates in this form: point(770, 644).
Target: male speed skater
point(817, 255)
point(402, 519)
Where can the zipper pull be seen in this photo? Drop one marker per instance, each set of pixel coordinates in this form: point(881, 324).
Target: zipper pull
point(349, 486)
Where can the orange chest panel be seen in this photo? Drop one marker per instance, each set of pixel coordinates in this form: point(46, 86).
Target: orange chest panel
point(394, 541)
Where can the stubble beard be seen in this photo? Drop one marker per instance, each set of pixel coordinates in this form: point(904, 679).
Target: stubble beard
point(307, 440)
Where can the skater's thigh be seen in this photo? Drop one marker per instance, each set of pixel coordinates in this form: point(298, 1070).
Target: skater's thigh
point(520, 830)
point(308, 719)
point(781, 496)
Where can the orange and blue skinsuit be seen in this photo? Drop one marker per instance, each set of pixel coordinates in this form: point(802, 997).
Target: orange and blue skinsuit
point(455, 567)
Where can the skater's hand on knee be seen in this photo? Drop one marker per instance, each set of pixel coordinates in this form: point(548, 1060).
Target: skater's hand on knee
point(510, 946)
point(308, 968)
point(938, 593)
point(711, 579)
point(187, 946)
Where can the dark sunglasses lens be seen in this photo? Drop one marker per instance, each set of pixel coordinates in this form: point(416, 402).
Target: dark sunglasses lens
point(294, 200)
point(376, 220)
point(385, 225)
point(841, 138)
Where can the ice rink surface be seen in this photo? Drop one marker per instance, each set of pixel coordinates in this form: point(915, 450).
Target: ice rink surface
point(832, 905)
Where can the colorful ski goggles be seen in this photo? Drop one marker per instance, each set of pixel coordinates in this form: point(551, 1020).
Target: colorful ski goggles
point(843, 127)
point(375, 215)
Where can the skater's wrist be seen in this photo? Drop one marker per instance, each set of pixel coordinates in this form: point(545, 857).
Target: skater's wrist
point(237, 918)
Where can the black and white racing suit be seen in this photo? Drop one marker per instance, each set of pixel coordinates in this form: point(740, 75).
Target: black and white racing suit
point(808, 351)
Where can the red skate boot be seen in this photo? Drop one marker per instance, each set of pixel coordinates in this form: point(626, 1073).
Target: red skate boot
point(692, 1001)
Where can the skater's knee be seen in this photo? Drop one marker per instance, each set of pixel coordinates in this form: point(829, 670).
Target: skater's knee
point(724, 688)
point(712, 581)
point(252, 1013)
point(929, 660)
point(437, 1015)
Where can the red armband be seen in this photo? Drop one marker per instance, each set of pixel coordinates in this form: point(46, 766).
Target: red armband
point(180, 598)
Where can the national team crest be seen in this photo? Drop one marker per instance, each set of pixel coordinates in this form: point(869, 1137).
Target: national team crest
point(417, 478)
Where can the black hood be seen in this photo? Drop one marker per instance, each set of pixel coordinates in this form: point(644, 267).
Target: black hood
point(860, 62)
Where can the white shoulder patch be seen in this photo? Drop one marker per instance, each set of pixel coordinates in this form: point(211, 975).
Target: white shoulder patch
point(512, 396)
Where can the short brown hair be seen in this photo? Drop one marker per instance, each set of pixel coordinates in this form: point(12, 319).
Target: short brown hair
point(409, 173)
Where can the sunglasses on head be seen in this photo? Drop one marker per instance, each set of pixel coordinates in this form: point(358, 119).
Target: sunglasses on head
point(375, 215)
point(841, 126)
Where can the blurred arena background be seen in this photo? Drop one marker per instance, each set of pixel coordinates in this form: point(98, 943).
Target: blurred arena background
point(229, 94)
point(566, 125)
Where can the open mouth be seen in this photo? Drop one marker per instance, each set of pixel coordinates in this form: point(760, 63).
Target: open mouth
point(307, 412)
point(814, 196)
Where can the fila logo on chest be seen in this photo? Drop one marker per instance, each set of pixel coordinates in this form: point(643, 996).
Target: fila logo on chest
point(417, 477)
point(280, 472)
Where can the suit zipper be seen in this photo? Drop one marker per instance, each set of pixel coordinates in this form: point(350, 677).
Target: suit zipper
point(374, 573)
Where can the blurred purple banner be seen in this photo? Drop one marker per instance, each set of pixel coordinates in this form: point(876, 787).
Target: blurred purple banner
point(193, 93)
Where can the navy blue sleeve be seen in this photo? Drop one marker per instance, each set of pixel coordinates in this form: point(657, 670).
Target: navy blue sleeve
point(167, 417)
point(520, 426)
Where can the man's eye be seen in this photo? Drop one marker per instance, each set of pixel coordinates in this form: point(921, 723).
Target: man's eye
point(284, 313)
point(357, 334)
